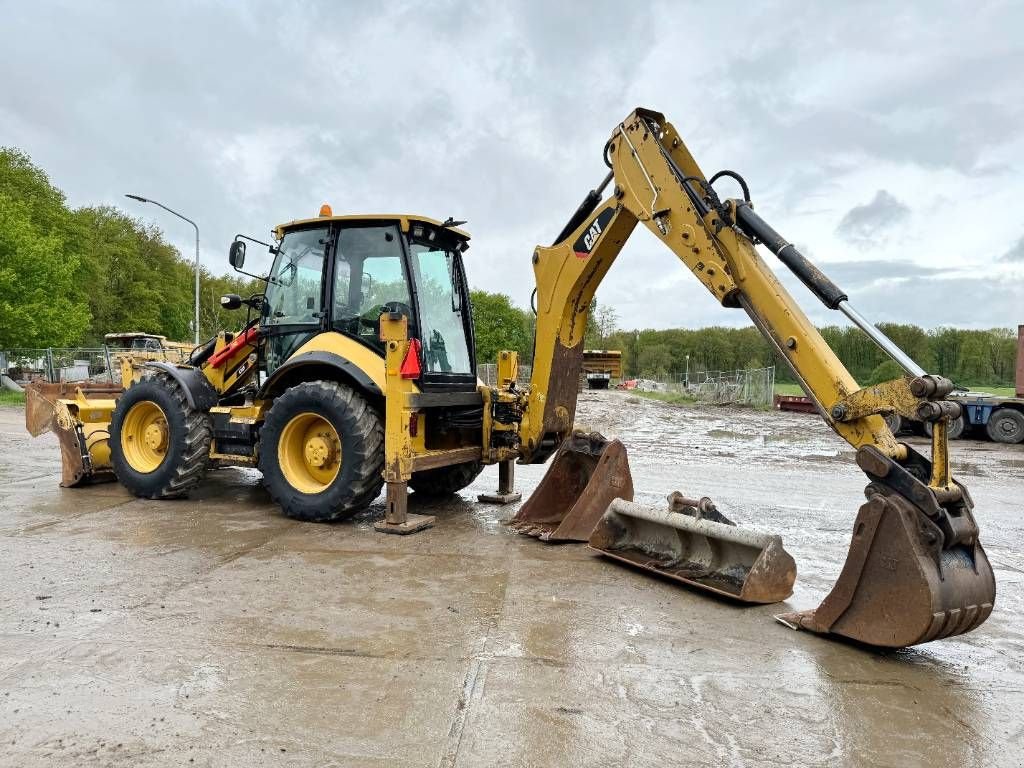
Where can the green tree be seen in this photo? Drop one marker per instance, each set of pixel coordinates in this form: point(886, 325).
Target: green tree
point(884, 371)
point(39, 305)
point(498, 325)
point(655, 360)
point(602, 323)
point(132, 278)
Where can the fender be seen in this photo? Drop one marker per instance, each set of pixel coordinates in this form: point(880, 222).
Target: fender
point(321, 358)
point(199, 393)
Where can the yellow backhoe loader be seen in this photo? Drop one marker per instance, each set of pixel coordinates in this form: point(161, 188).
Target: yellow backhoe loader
point(358, 372)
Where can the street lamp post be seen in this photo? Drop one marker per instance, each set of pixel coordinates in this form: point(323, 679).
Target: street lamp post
point(196, 226)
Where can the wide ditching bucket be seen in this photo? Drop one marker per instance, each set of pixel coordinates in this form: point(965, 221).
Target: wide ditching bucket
point(693, 543)
point(586, 474)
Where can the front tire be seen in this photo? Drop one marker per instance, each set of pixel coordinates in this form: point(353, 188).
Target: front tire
point(159, 444)
point(321, 452)
point(445, 481)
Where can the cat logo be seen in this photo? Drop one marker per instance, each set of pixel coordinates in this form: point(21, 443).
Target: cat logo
point(586, 242)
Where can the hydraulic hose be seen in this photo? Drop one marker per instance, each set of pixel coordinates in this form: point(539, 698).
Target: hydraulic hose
point(830, 294)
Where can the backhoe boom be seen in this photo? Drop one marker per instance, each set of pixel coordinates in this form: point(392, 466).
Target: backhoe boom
point(915, 570)
point(649, 164)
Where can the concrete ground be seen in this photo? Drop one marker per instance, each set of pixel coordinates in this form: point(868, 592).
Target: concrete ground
point(214, 631)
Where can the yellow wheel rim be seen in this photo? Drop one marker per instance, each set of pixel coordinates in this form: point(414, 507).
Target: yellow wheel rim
point(309, 453)
point(145, 436)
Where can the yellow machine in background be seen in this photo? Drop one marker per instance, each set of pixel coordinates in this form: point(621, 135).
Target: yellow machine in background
point(602, 367)
point(364, 344)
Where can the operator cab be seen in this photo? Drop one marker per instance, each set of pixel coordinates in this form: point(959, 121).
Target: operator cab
point(340, 273)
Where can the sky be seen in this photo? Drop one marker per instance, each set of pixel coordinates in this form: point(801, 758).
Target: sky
point(885, 140)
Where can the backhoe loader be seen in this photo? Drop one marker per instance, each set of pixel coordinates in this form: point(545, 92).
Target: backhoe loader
point(358, 372)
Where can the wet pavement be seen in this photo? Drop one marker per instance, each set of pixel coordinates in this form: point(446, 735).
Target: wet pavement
point(213, 631)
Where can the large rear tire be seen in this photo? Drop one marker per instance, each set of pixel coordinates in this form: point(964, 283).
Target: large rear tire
point(321, 452)
point(1006, 425)
point(445, 481)
point(159, 444)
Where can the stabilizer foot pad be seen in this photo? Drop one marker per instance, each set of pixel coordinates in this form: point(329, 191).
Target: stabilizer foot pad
point(412, 524)
point(500, 498)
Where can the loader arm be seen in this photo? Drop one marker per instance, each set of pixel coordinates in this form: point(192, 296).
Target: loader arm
point(915, 570)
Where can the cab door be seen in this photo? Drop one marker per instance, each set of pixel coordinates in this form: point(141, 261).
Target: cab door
point(370, 272)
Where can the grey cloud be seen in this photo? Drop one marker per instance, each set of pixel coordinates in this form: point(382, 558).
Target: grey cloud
point(946, 300)
point(865, 225)
point(1015, 254)
point(853, 274)
point(246, 115)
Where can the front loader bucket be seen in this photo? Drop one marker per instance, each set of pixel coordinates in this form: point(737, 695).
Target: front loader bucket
point(587, 473)
point(899, 587)
point(697, 550)
point(46, 410)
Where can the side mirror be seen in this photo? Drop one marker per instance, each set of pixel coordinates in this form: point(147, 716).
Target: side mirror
point(237, 254)
point(232, 300)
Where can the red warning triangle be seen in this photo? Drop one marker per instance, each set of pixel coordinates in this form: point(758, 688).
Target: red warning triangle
point(411, 365)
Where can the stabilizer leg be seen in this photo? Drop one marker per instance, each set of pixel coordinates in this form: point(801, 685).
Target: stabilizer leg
point(507, 493)
point(397, 518)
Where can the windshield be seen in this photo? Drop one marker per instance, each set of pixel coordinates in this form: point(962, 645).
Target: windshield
point(293, 294)
point(443, 332)
point(296, 281)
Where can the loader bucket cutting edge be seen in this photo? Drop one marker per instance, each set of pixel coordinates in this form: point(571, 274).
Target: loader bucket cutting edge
point(898, 587)
point(738, 563)
point(586, 474)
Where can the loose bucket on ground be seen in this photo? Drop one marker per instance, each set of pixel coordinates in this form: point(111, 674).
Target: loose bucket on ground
point(586, 474)
point(719, 557)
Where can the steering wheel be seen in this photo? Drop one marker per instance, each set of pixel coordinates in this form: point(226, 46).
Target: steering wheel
point(371, 317)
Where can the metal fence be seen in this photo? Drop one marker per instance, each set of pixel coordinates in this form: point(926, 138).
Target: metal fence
point(751, 386)
point(55, 364)
point(488, 374)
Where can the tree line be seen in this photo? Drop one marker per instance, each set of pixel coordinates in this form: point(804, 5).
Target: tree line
point(975, 357)
point(69, 276)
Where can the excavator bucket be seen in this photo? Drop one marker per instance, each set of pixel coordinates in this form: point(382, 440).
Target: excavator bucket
point(899, 586)
point(587, 473)
point(55, 408)
point(693, 543)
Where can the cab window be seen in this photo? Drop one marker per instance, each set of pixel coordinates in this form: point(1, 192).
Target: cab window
point(443, 331)
point(368, 274)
